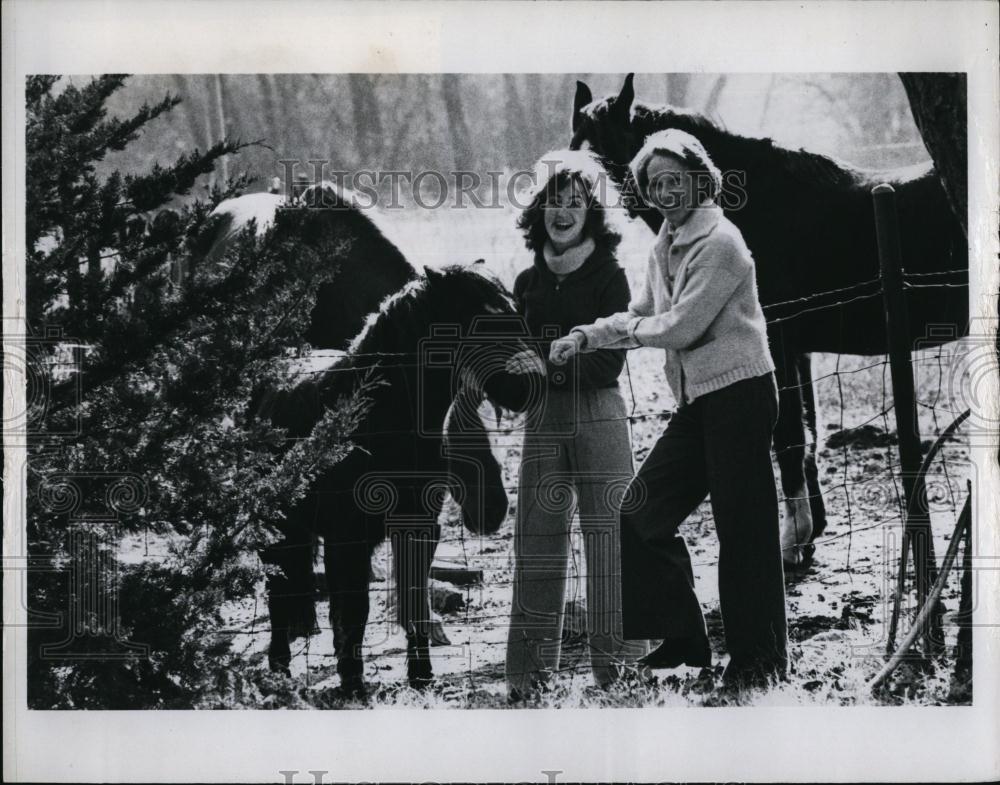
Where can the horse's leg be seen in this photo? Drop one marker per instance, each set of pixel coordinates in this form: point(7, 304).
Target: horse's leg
point(790, 446)
point(348, 563)
point(279, 652)
point(290, 594)
point(413, 547)
point(816, 505)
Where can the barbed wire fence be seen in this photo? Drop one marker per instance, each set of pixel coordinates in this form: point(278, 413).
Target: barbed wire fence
point(872, 501)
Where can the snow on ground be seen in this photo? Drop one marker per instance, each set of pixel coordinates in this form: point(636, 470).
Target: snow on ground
point(837, 610)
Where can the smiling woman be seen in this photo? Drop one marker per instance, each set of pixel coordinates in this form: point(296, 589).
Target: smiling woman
point(700, 306)
point(576, 447)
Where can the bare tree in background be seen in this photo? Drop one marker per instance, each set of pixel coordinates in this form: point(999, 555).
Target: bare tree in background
point(519, 145)
point(223, 119)
point(768, 94)
point(451, 91)
point(367, 119)
point(195, 117)
point(270, 100)
point(711, 105)
point(872, 113)
point(677, 88)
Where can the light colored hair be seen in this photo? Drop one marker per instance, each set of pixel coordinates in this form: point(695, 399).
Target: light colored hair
point(681, 145)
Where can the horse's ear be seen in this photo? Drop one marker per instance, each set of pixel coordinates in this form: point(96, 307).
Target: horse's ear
point(580, 100)
point(623, 103)
point(432, 274)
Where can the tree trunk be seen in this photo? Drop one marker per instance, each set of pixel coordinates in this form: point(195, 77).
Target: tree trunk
point(767, 101)
point(271, 120)
point(366, 117)
point(938, 102)
point(534, 90)
point(451, 90)
point(220, 108)
point(712, 101)
point(201, 132)
point(678, 86)
point(519, 144)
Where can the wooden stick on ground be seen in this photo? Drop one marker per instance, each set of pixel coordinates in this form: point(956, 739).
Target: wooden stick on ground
point(964, 520)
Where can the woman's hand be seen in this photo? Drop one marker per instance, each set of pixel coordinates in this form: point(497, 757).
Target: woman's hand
point(526, 361)
point(563, 349)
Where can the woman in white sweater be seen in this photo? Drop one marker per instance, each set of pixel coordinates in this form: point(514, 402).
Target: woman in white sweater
point(700, 305)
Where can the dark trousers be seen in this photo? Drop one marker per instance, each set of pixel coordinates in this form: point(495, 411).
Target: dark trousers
point(718, 445)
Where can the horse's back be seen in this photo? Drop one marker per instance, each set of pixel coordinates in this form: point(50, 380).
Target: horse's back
point(231, 217)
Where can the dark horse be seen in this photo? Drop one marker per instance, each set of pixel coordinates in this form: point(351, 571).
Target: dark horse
point(809, 222)
point(451, 325)
point(369, 268)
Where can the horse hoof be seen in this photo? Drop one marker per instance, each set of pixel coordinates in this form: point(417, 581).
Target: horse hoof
point(796, 534)
point(352, 689)
point(805, 557)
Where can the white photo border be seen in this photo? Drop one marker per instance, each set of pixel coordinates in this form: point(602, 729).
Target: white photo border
point(746, 744)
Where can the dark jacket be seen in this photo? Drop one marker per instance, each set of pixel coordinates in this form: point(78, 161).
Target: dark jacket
point(552, 307)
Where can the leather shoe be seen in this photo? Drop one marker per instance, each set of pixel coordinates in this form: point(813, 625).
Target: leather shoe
point(752, 677)
point(674, 652)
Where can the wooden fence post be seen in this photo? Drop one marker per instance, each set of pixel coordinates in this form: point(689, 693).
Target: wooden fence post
point(916, 517)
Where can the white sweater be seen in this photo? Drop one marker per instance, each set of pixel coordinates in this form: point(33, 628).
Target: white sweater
point(708, 321)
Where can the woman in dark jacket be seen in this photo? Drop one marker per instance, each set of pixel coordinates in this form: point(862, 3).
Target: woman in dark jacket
point(577, 453)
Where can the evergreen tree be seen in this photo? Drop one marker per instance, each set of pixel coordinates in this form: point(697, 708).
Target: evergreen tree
point(142, 367)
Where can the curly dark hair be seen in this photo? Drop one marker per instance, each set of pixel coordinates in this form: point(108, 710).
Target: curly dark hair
point(531, 222)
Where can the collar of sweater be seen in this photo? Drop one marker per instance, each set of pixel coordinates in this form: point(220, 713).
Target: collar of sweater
point(580, 261)
point(699, 223)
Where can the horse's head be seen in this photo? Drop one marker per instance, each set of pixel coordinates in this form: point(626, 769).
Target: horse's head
point(476, 334)
point(477, 331)
point(605, 126)
point(615, 128)
point(475, 478)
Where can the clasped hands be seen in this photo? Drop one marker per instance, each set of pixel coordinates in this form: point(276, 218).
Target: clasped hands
point(562, 349)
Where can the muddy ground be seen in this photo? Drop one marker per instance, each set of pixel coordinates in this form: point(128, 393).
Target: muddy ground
point(837, 608)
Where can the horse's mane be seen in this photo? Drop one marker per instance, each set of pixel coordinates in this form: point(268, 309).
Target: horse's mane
point(391, 328)
point(647, 118)
point(387, 331)
point(389, 339)
point(813, 169)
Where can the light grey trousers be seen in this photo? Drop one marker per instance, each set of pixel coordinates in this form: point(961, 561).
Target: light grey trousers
point(577, 457)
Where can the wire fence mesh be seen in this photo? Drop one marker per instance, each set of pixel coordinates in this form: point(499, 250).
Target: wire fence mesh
point(866, 501)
